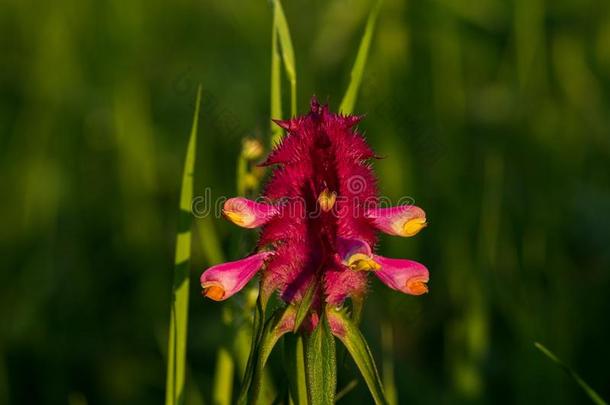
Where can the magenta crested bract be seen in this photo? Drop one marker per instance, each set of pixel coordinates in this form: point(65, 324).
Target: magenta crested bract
point(319, 216)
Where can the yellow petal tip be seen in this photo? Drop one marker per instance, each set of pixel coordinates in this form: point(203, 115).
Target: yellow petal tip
point(417, 287)
point(213, 291)
point(362, 262)
point(237, 218)
point(413, 226)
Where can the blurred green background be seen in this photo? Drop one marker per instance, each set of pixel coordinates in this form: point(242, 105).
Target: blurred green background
point(493, 115)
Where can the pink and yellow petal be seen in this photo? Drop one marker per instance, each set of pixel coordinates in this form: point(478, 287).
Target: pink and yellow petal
point(224, 280)
point(403, 275)
point(404, 220)
point(247, 213)
point(356, 254)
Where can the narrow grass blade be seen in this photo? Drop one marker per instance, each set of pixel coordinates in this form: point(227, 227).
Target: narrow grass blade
point(594, 396)
point(346, 390)
point(350, 336)
point(281, 25)
point(321, 365)
point(276, 84)
point(349, 99)
point(295, 365)
point(176, 362)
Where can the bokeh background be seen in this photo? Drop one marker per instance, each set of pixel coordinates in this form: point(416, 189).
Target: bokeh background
point(493, 115)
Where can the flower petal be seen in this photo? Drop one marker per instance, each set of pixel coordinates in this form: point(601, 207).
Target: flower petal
point(405, 220)
point(356, 254)
point(247, 213)
point(407, 276)
point(223, 280)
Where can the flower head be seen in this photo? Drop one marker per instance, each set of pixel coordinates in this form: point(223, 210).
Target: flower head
point(320, 218)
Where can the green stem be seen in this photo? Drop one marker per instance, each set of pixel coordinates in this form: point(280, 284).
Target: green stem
point(301, 383)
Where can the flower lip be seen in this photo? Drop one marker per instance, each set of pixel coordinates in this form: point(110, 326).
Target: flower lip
point(403, 275)
point(213, 291)
point(361, 262)
point(417, 285)
point(412, 226)
point(356, 254)
point(236, 217)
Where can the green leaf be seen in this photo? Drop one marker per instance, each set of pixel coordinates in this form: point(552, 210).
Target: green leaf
point(349, 99)
point(276, 84)
point(176, 352)
point(594, 396)
point(275, 327)
point(295, 368)
point(242, 347)
point(321, 365)
point(281, 25)
point(350, 336)
point(304, 307)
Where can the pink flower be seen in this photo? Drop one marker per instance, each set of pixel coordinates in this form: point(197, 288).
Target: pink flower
point(403, 275)
point(321, 185)
point(247, 213)
point(405, 220)
point(223, 280)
